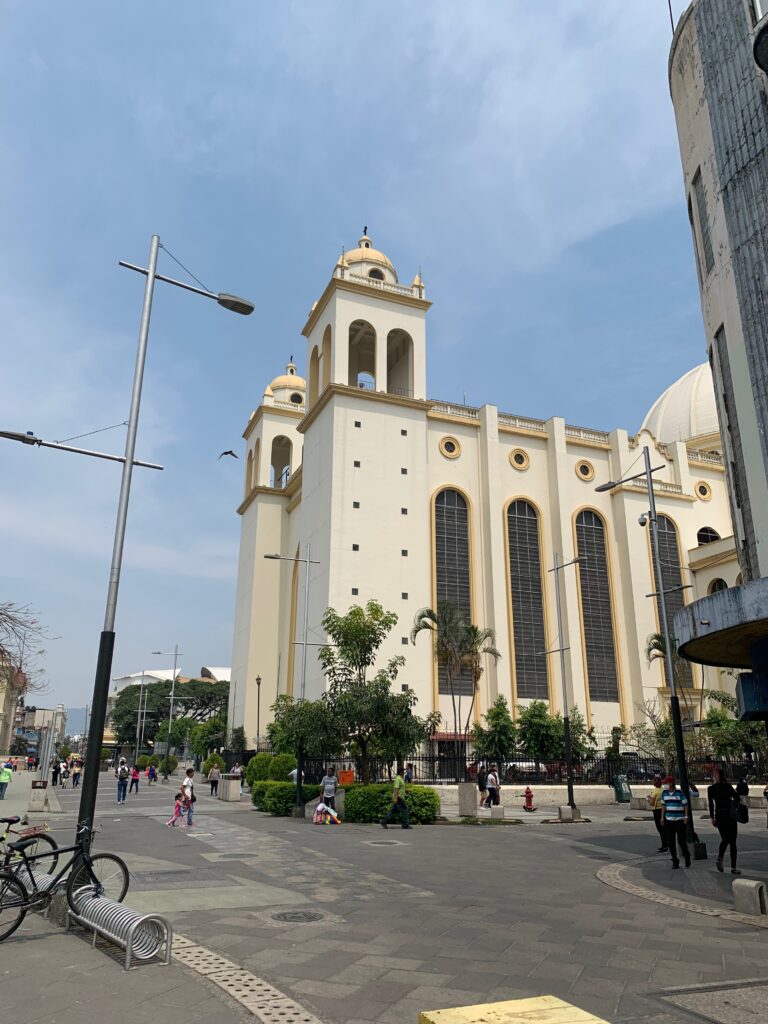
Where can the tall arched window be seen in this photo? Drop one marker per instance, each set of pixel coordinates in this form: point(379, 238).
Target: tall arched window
point(596, 612)
point(669, 556)
point(528, 628)
point(362, 355)
point(400, 363)
point(280, 469)
point(453, 583)
point(326, 358)
point(314, 378)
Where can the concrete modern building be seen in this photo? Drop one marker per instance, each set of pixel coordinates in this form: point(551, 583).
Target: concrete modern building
point(413, 501)
point(720, 96)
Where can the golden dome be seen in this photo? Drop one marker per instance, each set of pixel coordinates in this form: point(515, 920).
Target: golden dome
point(365, 253)
point(289, 379)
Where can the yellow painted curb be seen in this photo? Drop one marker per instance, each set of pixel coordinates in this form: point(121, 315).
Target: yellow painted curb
point(540, 1010)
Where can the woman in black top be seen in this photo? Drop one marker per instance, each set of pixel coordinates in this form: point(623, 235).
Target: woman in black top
point(723, 800)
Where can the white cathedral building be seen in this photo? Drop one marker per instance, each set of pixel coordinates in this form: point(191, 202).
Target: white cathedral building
point(413, 501)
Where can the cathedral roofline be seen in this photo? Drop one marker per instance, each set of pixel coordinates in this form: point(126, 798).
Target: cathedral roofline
point(374, 396)
point(393, 293)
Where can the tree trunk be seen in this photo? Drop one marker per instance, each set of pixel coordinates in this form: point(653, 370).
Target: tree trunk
point(365, 768)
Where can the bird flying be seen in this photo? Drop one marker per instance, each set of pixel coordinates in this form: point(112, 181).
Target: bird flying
point(234, 456)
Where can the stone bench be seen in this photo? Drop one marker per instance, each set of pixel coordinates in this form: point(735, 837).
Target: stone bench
point(749, 897)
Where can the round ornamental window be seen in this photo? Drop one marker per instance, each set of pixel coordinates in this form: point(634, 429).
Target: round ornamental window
point(450, 447)
point(297, 399)
point(376, 275)
point(585, 470)
point(519, 459)
point(703, 490)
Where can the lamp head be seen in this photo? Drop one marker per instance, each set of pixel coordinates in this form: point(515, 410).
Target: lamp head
point(235, 304)
point(277, 557)
point(606, 487)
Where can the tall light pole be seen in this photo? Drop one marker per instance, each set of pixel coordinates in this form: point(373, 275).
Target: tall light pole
point(661, 594)
point(107, 640)
point(566, 710)
point(176, 653)
point(258, 710)
point(138, 719)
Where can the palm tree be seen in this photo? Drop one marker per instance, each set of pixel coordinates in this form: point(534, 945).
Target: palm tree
point(459, 647)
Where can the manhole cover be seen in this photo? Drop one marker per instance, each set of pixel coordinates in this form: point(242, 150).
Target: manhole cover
point(297, 916)
point(383, 842)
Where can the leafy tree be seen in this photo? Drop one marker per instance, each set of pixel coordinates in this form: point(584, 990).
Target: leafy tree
point(497, 739)
point(725, 735)
point(207, 735)
point(197, 701)
point(180, 730)
point(19, 747)
point(476, 643)
point(357, 637)
point(237, 740)
point(64, 751)
point(304, 726)
point(541, 733)
point(211, 760)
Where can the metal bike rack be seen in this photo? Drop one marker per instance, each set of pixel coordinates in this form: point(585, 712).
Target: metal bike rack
point(140, 935)
point(32, 879)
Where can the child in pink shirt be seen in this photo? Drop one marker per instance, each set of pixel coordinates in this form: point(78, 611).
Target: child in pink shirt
point(178, 811)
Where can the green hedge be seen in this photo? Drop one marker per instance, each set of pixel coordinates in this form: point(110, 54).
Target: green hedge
point(258, 792)
point(279, 797)
point(210, 761)
point(168, 764)
point(257, 769)
point(280, 766)
point(369, 804)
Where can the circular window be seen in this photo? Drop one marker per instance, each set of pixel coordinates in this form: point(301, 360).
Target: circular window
point(297, 399)
point(519, 459)
point(376, 275)
point(703, 490)
point(585, 470)
point(450, 447)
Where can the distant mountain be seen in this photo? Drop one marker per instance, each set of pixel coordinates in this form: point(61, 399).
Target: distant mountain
point(75, 721)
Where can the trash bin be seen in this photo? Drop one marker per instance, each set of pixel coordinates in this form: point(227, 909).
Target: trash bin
point(229, 788)
point(621, 789)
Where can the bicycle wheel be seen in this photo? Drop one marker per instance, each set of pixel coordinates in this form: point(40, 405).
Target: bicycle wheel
point(13, 905)
point(108, 870)
point(48, 846)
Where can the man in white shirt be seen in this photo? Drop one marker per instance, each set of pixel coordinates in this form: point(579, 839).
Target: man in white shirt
point(188, 789)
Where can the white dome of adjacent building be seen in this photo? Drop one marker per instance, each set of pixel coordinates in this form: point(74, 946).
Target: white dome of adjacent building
point(288, 387)
point(686, 410)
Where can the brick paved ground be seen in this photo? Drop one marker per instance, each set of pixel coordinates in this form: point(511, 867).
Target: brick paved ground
point(449, 915)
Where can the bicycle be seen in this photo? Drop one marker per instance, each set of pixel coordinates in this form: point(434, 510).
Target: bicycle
point(43, 843)
point(20, 888)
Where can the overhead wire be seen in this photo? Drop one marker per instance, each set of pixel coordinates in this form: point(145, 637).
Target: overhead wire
point(101, 430)
point(185, 269)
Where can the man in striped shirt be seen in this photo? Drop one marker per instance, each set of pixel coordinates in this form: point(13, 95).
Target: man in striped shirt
point(674, 818)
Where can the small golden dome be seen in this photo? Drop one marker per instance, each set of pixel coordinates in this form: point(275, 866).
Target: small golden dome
point(365, 253)
point(289, 379)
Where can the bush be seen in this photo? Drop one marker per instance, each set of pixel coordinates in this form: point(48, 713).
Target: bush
point(259, 791)
point(210, 761)
point(369, 804)
point(168, 765)
point(280, 797)
point(106, 754)
point(257, 769)
point(280, 766)
point(142, 762)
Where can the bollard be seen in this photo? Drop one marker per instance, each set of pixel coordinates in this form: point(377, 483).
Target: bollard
point(749, 897)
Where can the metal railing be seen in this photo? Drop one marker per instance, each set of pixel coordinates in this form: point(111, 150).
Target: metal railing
point(450, 409)
point(141, 935)
point(522, 422)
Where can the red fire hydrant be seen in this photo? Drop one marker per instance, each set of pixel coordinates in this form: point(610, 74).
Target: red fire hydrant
point(528, 795)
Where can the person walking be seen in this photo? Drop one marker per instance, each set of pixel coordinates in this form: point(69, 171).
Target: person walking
point(135, 776)
point(151, 775)
point(330, 784)
point(55, 769)
point(654, 802)
point(188, 791)
point(237, 771)
point(492, 786)
point(213, 776)
point(408, 773)
point(674, 818)
point(398, 804)
point(122, 774)
point(6, 776)
point(178, 812)
point(76, 770)
point(482, 788)
point(723, 802)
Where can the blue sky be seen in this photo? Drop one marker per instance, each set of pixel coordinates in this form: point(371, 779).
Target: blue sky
point(523, 154)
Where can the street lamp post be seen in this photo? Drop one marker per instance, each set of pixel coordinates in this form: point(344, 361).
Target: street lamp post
point(258, 709)
point(176, 653)
point(299, 805)
point(566, 710)
point(661, 593)
point(138, 718)
point(107, 640)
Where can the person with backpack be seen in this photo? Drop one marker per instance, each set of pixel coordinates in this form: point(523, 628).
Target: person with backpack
point(724, 803)
point(122, 774)
point(482, 787)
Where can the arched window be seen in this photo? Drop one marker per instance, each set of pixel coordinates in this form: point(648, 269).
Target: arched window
point(400, 363)
point(314, 377)
point(376, 275)
point(528, 627)
point(256, 463)
point(596, 611)
point(281, 461)
point(326, 358)
point(452, 570)
point(707, 535)
point(716, 586)
point(249, 474)
point(362, 355)
point(669, 556)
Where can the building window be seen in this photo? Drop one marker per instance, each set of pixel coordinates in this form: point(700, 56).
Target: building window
point(704, 492)
point(355, 547)
point(404, 471)
point(585, 470)
point(404, 641)
point(297, 399)
point(358, 423)
point(528, 628)
point(518, 459)
point(355, 504)
point(701, 209)
point(355, 591)
point(403, 433)
point(403, 511)
point(404, 595)
point(707, 535)
point(376, 275)
point(669, 556)
point(596, 612)
point(716, 586)
point(452, 572)
point(356, 464)
point(404, 552)
point(450, 447)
